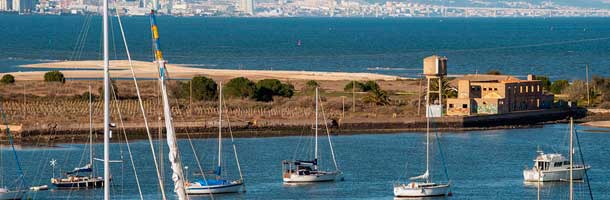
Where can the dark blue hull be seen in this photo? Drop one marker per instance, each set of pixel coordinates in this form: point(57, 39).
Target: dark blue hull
point(81, 184)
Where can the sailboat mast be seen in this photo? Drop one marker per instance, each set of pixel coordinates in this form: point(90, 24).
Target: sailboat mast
point(219, 128)
point(172, 143)
point(571, 158)
point(316, 132)
point(106, 106)
point(427, 148)
point(90, 130)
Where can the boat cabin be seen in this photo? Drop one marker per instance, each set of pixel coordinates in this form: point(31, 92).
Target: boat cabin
point(546, 162)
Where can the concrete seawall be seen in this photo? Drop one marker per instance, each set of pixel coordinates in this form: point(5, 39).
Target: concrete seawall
point(269, 128)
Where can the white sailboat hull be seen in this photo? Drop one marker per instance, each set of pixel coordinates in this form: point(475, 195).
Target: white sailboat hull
point(195, 189)
point(320, 176)
point(421, 190)
point(531, 175)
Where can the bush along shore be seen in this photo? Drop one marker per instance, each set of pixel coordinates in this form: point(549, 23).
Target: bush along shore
point(57, 109)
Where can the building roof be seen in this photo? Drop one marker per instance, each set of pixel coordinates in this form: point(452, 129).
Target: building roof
point(488, 78)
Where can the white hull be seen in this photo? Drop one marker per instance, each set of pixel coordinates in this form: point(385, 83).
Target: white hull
point(214, 189)
point(421, 190)
point(317, 177)
point(531, 175)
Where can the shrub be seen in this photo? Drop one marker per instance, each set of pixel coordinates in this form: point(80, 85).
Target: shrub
point(54, 76)
point(545, 82)
point(310, 86)
point(558, 86)
point(267, 88)
point(377, 97)
point(494, 72)
point(349, 85)
point(576, 91)
point(370, 86)
point(204, 88)
point(240, 87)
point(263, 94)
point(287, 90)
point(7, 79)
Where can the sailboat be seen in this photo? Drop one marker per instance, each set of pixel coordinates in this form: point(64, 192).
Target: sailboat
point(18, 192)
point(303, 171)
point(73, 178)
point(555, 167)
point(422, 185)
point(218, 185)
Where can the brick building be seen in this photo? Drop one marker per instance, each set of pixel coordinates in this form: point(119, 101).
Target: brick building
point(497, 94)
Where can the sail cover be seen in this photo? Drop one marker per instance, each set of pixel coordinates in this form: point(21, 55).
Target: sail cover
point(420, 177)
point(86, 168)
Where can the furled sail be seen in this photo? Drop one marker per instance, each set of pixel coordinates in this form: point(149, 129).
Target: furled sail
point(174, 154)
point(421, 177)
point(86, 168)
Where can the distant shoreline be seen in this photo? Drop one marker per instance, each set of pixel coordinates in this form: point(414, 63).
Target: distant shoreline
point(148, 70)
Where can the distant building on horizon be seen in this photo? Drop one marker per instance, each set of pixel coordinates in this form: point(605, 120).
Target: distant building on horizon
point(6, 5)
point(247, 6)
point(23, 6)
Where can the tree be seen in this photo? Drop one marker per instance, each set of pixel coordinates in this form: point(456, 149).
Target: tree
point(448, 90)
point(240, 87)
point(204, 88)
point(7, 79)
point(54, 76)
point(377, 97)
point(267, 88)
point(558, 86)
point(287, 90)
point(310, 86)
point(370, 86)
point(263, 94)
point(576, 91)
point(601, 87)
point(545, 82)
point(349, 85)
point(494, 72)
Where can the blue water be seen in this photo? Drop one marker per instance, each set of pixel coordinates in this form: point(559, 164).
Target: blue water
point(556, 47)
point(481, 165)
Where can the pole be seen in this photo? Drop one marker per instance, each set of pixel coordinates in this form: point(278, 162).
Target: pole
point(24, 100)
point(106, 106)
point(440, 94)
point(342, 107)
point(588, 92)
point(428, 129)
point(191, 96)
point(353, 96)
point(571, 158)
point(316, 131)
point(90, 130)
point(538, 170)
point(219, 128)
point(419, 97)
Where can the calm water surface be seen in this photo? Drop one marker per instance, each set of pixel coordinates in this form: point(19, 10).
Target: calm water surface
point(481, 165)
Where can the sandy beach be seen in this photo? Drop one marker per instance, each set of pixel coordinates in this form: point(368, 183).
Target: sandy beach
point(121, 69)
point(600, 124)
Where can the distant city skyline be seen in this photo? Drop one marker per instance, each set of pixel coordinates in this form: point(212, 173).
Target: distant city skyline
point(328, 8)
